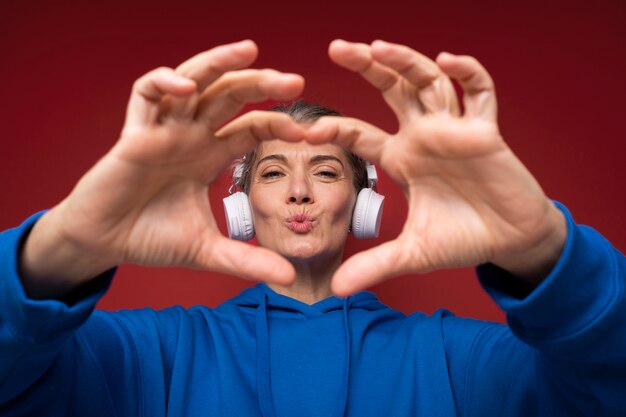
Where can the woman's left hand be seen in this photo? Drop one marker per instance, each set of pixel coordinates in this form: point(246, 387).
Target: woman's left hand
point(471, 201)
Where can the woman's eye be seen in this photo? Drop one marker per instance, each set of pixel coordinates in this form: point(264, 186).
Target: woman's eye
point(272, 175)
point(327, 174)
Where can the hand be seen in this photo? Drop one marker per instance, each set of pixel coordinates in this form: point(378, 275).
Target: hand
point(471, 201)
point(146, 201)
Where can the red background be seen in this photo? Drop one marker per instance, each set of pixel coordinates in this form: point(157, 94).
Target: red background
point(66, 70)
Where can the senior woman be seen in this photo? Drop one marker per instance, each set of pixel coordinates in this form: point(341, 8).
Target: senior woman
point(287, 346)
point(302, 199)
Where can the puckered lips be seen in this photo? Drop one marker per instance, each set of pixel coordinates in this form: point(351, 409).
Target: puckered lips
point(300, 223)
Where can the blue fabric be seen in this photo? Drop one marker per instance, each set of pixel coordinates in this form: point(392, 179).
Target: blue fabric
point(265, 354)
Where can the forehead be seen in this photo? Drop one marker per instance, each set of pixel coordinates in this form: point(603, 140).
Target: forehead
point(299, 150)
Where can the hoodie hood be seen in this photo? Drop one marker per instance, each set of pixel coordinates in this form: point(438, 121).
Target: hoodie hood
point(265, 302)
point(279, 305)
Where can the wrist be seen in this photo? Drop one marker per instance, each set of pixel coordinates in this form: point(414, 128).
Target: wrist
point(53, 265)
point(538, 258)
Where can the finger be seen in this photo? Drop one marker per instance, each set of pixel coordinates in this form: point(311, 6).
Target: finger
point(436, 92)
point(148, 90)
point(370, 267)
point(362, 138)
point(227, 96)
point(246, 131)
point(209, 65)
point(479, 95)
point(415, 67)
point(206, 67)
point(357, 57)
point(246, 261)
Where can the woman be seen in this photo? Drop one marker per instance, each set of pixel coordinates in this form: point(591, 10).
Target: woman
point(288, 347)
point(303, 200)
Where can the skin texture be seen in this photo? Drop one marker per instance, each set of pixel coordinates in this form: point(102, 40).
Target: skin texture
point(146, 201)
point(302, 198)
point(470, 199)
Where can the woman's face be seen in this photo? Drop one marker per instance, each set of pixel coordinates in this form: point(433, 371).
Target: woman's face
point(302, 197)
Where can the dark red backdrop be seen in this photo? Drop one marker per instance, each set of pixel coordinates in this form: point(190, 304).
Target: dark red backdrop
point(66, 70)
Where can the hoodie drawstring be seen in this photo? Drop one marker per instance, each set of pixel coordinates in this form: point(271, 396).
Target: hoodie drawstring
point(343, 392)
point(264, 383)
point(263, 376)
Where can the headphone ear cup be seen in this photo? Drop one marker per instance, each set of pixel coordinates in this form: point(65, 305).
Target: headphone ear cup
point(368, 212)
point(238, 216)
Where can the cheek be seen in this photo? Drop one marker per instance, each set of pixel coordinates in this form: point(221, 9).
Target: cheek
point(266, 209)
point(343, 206)
point(260, 207)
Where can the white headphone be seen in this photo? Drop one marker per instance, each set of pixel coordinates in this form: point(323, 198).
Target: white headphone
point(368, 210)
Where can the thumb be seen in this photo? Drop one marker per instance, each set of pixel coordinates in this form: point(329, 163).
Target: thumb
point(370, 267)
point(245, 261)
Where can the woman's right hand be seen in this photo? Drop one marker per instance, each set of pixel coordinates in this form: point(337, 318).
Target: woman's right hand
point(146, 201)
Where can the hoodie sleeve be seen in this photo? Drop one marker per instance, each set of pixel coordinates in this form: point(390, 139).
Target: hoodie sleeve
point(37, 350)
point(565, 352)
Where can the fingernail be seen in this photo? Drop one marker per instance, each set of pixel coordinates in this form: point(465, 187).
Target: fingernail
point(381, 42)
point(339, 42)
point(244, 44)
point(293, 76)
point(219, 134)
point(185, 82)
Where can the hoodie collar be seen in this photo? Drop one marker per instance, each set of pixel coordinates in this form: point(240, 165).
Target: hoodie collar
point(278, 305)
point(268, 303)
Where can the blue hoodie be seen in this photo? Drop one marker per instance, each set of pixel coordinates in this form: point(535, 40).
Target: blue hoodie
point(265, 354)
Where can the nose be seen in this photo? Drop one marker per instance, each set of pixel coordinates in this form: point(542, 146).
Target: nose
point(300, 190)
point(294, 199)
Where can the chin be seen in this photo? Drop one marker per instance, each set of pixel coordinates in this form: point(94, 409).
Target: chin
point(303, 252)
point(302, 248)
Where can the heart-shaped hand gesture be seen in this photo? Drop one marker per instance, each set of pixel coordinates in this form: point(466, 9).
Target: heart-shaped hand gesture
point(146, 201)
point(471, 201)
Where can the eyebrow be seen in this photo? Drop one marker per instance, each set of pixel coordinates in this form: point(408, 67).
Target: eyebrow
point(321, 158)
point(315, 160)
point(274, 157)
